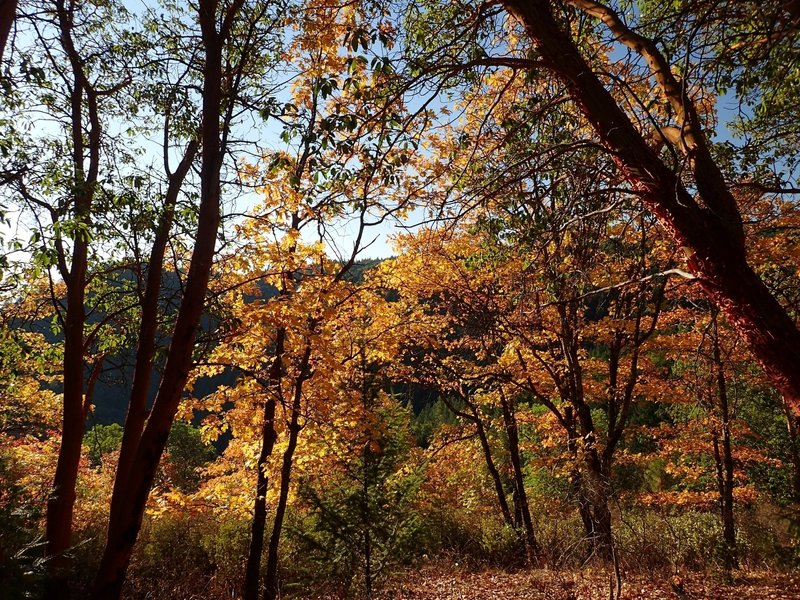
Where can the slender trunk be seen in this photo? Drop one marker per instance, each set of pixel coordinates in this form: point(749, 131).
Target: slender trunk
point(725, 506)
point(61, 501)
point(512, 432)
point(128, 501)
point(268, 438)
point(143, 371)
point(367, 458)
point(366, 516)
point(728, 524)
point(271, 588)
point(712, 234)
point(258, 526)
point(494, 473)
point(725, 460)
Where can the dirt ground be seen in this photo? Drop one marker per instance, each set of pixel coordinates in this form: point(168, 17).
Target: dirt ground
point(454, 583)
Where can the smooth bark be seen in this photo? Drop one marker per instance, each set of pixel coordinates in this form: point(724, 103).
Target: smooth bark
point(143, 370)
point(85, 164)
point(708, 227)
point(129, 500)
point(8, 11)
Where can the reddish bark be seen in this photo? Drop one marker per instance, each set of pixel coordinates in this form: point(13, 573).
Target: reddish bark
point(143, 370)
point(130, 497)
point(61, 502)
point(710, 234)
point(8, 11)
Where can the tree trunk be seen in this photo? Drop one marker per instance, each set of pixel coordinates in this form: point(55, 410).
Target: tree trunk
point(8, 12)
point(494, 473)
point(725, 506)
point(597, 492)
point(710, 235)
point(271, 584)
point(129, 500)
point(271, 587)
point(253, 572)
point(136, 416)
point(268, 438)
point(512, 432)
point(724, 461)
point(366, 513)
point(61, 502)
point(578, 483)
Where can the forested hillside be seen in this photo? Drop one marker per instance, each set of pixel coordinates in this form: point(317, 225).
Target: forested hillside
point(570, 371)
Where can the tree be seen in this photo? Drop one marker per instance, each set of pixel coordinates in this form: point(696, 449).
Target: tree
point(709, 224)
point(71, 75)
point(228, 61)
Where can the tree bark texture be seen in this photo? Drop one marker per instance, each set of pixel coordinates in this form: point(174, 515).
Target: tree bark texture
point(86, 166)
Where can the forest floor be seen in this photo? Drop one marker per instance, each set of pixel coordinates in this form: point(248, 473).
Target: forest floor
point(434, 582)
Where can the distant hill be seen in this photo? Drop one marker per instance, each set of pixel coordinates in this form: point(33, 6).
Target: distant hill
point(113, 388)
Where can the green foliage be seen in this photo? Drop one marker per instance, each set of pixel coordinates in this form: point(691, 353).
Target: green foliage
point(102, 439)
point(360, 522)
point(430, 419)
point(189, 555)
point(21, 563)
point(187, 452)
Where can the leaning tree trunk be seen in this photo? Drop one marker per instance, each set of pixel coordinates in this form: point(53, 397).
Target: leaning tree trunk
point(711, 235)
point(136, 416)
point(483, 438)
